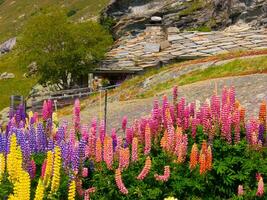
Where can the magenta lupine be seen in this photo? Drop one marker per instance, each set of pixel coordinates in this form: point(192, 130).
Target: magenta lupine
point(94, 123)
point(192, 109)
point(195, 123)
point(206, 118)
point(124, 123)
point(129, 135)
point(147, 140)
point(180, 111)
point(172, 114)
point(226, 122)
point(102, 131)
point(165, 106)
point(50, 107)
point(224, 96)
point(76, 115)
point(260, 190)
point(215, 107)
point(85, 133)
point(45, 112)
point(156, 111)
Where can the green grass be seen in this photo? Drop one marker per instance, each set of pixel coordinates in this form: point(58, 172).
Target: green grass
point(234, 68)
point(14, 14)
point(17, 86)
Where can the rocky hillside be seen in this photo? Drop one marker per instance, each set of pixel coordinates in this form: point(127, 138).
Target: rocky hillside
point(132, 15)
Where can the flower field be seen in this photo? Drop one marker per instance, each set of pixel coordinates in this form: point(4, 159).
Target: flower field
point(180, 151)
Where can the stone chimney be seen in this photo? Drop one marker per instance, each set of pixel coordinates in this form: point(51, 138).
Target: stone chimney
point(155, 36)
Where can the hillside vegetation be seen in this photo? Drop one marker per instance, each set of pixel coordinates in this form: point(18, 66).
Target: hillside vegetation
point(15, 13)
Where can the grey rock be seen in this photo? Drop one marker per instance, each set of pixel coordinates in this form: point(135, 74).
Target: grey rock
point(151, 47)
point(7, 45)
point(6, 75)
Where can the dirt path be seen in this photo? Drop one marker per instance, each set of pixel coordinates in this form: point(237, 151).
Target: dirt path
point(250, 91)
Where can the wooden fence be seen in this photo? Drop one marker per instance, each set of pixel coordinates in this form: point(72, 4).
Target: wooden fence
point(63, 97)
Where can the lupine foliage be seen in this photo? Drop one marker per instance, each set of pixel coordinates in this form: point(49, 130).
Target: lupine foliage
point(186, 151)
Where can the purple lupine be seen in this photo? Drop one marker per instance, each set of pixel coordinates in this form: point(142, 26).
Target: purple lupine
point(60, 135)
point(32, 139)
point(74, 159)
point(81, 150)
point(114, 138)
point(41, 138)
point(50, 145)
point(124, 123)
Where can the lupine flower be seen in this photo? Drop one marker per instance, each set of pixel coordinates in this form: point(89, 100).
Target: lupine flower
point(175, 95)
point(2, 165)
point(85, 172)
point(39, 194)
point(124, 158)
point(240, 190)
point(165, 177)
point(193, 157)
point(87, 193)
point(98, 151)
point(170, 198)
point(45, 112)
point(134, 149)
point(147, 140)
point(145, 170)
point(114, 138)
point(72, 189)
point(260, 190)
point(124, 123)
point(76, 115)
point(119, 182)
point(209, 159)
point(56, 170)
point(202, 163)
point(108, 152)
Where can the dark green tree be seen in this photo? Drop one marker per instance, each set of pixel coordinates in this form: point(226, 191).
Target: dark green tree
point(64, 51)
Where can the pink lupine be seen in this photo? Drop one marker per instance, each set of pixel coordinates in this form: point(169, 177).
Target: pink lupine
point(94, 123)
point(170, 137)
point(108, 152)
point(260, 190)
point(180, 112)
point(50, 107)
point(134, 149)
point(114, 138)
point(192, 109)
point(146, 169)
point(165, 107)
point(206, 118)
point(240, 190)
point(124, 123)
point(165, 177)
point(85, 133)
point(84, 172)
point(155, 111)
point(33, 166)
point(119, 182)
point(102, 131)
point(147, 140)
point(76, 115)
point(119, 143)
point(43, 169)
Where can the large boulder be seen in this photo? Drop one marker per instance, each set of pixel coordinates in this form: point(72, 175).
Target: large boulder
point(132, 15)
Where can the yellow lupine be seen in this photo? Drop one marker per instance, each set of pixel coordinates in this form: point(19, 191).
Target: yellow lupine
point(72, 189)
point(24, 186)
point(56, 171)
point(14, 160)
point(2, 166)
point(49, 168)
point(39, 194)
point(55, 118)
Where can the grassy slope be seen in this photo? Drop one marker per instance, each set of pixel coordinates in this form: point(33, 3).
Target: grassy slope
point(13, 14)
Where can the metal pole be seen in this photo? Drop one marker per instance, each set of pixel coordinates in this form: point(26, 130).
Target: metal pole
point(106, 105)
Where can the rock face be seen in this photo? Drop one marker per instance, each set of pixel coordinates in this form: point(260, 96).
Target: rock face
point(7, 46)
point(6, 75)
point(132, 15)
